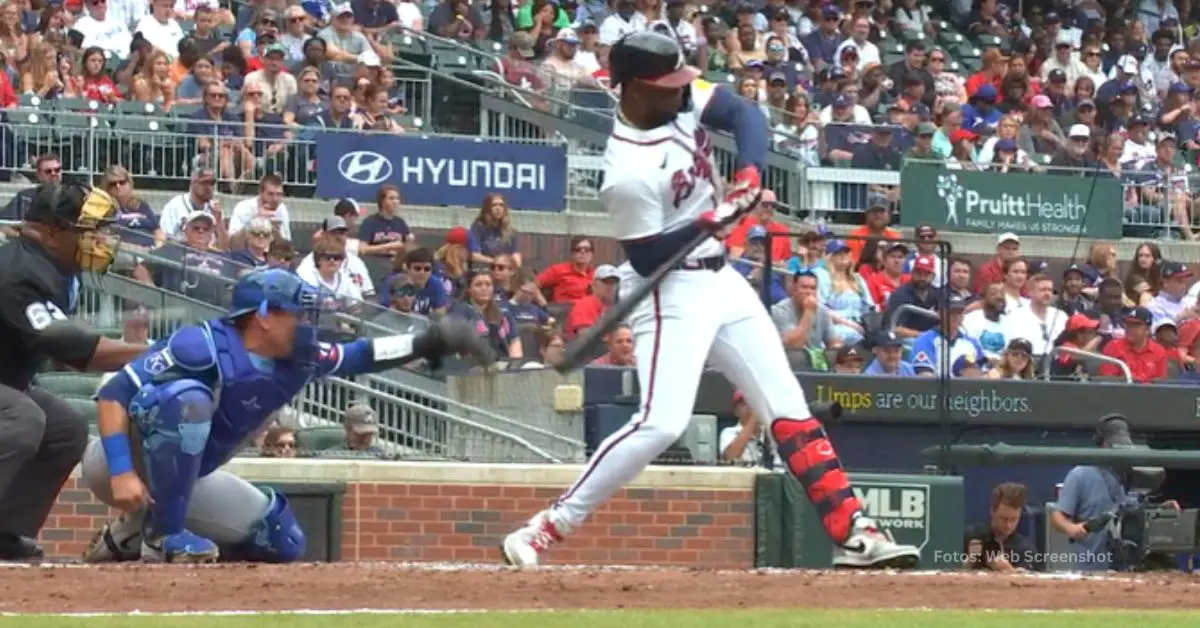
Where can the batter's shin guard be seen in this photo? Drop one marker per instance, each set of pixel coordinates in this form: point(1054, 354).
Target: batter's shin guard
point(810, 457)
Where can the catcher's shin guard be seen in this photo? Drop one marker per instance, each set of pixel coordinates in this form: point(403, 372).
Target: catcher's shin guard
point(810, 457)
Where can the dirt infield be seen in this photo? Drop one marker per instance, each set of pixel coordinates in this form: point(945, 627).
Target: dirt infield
point(125, 588)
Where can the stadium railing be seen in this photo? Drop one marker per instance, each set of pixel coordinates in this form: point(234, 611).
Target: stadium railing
point(422, 423)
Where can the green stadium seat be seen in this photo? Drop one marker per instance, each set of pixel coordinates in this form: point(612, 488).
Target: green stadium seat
point(910, 35)
point(320, 438)
point(134, 108)
point(950, 39)
point(410, 122)
point(72, 125)
point(493, 48)
point(453, 59)
point(967, 50)
point(726, 78)
point(406, 44)
point(69, 384)
point(78, 105)
point(85, 406)
point(33, 101)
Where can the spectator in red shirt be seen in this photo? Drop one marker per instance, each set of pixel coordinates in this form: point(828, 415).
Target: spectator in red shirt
point(589, 309)
point(8, 96)
point(620, 349)
point(1146, 359)
point(1008, 246)
point(568, 282)
point(883, 283)
point(763, 214)
point(995, 67)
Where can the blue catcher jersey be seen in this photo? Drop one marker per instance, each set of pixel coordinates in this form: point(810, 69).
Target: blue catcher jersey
point(247, 388)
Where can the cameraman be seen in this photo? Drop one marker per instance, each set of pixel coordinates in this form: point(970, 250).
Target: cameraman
point(996, 545)
point(1091, 494)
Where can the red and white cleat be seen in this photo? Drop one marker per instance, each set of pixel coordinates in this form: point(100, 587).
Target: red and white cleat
point(525, 546)
point(870, 548)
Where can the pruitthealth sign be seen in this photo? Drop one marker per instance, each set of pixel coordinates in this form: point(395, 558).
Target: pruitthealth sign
point(1028, 204)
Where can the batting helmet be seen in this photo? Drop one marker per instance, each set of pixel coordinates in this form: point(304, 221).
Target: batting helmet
point(650, 58)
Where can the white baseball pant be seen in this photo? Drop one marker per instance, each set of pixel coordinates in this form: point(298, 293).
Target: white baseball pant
point(694, 317)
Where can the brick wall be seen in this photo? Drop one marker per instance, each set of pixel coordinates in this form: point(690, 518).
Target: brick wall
point(461, 522)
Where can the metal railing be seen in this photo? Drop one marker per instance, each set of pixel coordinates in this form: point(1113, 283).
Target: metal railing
point(424, 426)
point(1091, 356)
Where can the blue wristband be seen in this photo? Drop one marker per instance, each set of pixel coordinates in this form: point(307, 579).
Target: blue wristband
point(116, 451)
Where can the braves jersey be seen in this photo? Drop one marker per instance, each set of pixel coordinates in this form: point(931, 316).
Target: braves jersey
point(662, 179)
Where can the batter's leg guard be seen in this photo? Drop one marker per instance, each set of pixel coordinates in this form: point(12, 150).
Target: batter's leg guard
point(174, 421)
point(810, 457)
point(276, 538)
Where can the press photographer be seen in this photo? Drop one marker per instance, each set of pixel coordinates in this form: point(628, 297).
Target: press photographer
point(1103, 509)
point(996, 545)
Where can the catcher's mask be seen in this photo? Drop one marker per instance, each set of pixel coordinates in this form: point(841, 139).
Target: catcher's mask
point(98, 238)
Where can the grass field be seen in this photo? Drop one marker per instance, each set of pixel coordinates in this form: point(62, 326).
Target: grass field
point(628, 619)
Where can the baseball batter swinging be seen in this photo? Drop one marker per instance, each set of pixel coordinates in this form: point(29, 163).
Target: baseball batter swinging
point(660, 186)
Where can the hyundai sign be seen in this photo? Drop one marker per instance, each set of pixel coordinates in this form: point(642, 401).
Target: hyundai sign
point(441, 170)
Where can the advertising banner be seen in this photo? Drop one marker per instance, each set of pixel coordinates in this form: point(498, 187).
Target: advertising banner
point(1045, 204)
point(441, 170)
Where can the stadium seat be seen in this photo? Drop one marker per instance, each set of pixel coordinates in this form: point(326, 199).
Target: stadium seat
point(85, 406)
point(80, 105)
point(69, 384)
point(320, 438)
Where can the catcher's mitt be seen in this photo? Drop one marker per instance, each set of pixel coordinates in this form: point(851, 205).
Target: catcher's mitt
point(453, 337)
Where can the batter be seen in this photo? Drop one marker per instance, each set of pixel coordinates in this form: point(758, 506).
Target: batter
point(660, 187)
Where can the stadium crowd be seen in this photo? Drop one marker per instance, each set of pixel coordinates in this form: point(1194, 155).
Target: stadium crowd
point(1105, 88)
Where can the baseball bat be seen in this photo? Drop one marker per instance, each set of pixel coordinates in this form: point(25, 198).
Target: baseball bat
point(577, 352)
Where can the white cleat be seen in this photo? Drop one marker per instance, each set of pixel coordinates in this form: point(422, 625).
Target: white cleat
point(870, 548)
point(118, 540)
point(525, 546)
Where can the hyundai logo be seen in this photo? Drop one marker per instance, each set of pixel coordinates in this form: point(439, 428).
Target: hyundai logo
point(365, 167)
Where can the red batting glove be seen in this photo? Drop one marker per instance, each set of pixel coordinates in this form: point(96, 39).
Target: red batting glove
point(748, 175)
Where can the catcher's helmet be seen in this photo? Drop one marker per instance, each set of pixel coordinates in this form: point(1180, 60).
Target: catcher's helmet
point(650, 58)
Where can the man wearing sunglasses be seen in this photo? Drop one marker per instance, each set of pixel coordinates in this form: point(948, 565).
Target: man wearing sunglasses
point(47, 169)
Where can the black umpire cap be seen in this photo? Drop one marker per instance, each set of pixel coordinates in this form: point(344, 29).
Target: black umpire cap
point(652, 59)
point(70, 205)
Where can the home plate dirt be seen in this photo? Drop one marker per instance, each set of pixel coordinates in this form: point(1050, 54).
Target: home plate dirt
point(166, 588)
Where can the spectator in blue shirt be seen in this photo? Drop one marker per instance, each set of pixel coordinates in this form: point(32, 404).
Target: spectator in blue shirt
point(428, 291)
point(375, 16)
point(822, 43)
point(927, 349)
point(751, 263)
point(492, 323)
point(981, 108)
point(492, 234)
point(259, 234)
point(810, 251)
point(888, 350)
point(523, 306)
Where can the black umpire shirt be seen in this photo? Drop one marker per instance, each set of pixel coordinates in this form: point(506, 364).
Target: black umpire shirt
point(18, 205)
point(36, 292)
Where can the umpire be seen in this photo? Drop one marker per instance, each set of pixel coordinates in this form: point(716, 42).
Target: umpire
point(66, 232)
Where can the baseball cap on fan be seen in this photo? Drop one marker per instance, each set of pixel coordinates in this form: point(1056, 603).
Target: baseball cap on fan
point(198, 215)
point(361, 419)
point(604, 272)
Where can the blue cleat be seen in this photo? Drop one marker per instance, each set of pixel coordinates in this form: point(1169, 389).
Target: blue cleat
point(183, 548)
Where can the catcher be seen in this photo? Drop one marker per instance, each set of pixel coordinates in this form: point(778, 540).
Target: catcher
point(171, 418)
